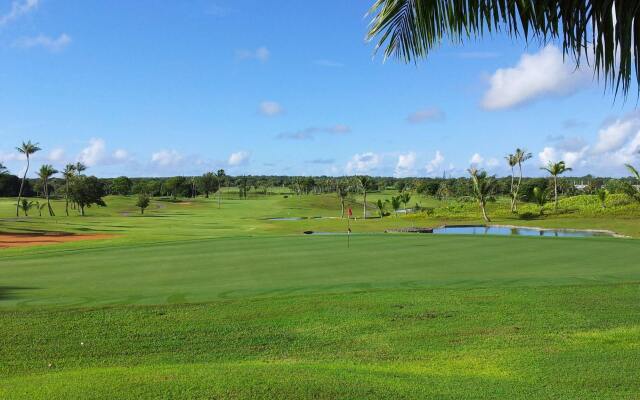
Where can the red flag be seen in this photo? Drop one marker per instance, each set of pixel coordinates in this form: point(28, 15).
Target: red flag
point(349, 212)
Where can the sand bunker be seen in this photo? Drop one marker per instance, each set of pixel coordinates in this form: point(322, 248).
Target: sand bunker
point(37, 239)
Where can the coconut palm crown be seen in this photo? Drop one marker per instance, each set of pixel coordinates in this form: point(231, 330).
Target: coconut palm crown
point(603, 32)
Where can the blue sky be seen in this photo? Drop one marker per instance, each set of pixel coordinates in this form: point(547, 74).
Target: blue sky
point(151, 88)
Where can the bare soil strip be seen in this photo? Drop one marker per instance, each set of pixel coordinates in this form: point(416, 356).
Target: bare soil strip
point(8, 240)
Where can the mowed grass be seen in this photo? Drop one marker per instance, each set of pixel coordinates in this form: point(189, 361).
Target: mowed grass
point(195, 302)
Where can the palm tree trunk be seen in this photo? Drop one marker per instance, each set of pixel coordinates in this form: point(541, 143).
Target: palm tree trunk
point(66, 197)
point(484, 213)
point(46, 189)
point(341, 208)
point(24, 178)
point(555, 192)
point(364, 210)
point(513, 193)
point(219, 193)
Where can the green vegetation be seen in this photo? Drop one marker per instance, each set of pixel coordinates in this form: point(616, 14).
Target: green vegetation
point(192, 301)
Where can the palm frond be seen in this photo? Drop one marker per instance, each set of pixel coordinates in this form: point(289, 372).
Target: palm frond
point(605, 32)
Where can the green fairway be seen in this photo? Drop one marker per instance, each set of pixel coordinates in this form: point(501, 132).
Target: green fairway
point(192, 301)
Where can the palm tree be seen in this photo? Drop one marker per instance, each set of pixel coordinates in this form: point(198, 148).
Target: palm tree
point(342, 190)
point(27, 149)
point(412, 29)
point(602, 196)
point(633, 171)
point(555, 170)
point(45, 173)
point(483, 187)
point(405, 197)
point(380, 204)
point(365, 184)
point(26, 205)
point(540, 198)
point(80, 168)
point(221, 178)
point(67, 174)
point(521, 156)
point(395, 204)
point(512, 161)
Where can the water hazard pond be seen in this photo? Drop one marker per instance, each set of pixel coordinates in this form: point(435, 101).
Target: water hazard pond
point(491, 230)
point(516, 231)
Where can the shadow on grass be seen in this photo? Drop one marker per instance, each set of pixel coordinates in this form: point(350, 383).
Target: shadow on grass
point(11, 292)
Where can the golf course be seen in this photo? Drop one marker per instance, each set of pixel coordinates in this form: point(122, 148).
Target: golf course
point(189, 300)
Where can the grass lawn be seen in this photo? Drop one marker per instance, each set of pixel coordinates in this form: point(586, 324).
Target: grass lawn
point(192, 301)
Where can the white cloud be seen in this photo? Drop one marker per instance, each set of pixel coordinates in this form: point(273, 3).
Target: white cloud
point(56, 155)
point(536, 75)
point(18, 9)
point(405, 165)
point(492, 162)
point(427, 114)
point(238, 158)
point(363, 163)
point(617, 133)
point(261, 54)
point(46, 42)
point(270, 108)
point(476, 160)
point(166, 158)
point(435, 163)
point(121, 155)
point(94, 153)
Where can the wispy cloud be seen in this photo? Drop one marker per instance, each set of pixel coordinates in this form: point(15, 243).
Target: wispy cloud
point(18, 9)
point(261, 54)
point(426, 114)
point(363, 163)
point(311, 132)
point(321, 161)
point(167, 158)
point(46, 42)
point(270, 108)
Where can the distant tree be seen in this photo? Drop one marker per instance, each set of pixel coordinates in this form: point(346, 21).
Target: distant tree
point(27, 149)
point(602, 196)
point(631, 190)
point(342, 190)
point(222, 177)
point(3, 169)
point(175, 185)
point(381, 206)
point(121, 185)
point(395, 204)
point(80, 168)
point(521, 156)
point(405, 197)
point(45, 174)
point(555, 170)
point(39, 207)
point(365, 184)
point(540, 197)
point(67, 174)
point(143, 202)
point(86, 191)
point(208, 183)
point(483, 187)
point(512, 162)
point(26, 205)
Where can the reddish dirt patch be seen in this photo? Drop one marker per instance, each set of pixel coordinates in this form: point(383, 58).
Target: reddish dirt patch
point(37, 239)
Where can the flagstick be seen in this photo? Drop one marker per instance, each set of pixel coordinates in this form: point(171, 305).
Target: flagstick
point(348, 231)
